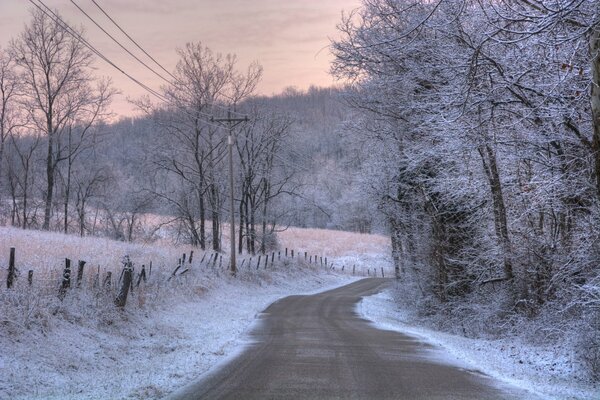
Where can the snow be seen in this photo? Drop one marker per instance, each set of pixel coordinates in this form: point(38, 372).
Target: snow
point(543, 372)
point(143, 356)
point(170, 332)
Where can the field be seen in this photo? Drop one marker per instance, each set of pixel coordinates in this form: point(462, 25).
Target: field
point(80, 346)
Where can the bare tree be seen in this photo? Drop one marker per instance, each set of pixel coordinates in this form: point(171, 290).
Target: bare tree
point(205, 81)
point(262, 176)
point(59, 90)
point(9, 92)
point(21, 176)
point(89, 184)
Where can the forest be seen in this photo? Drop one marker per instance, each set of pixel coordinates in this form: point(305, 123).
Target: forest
point(468, 131)
point(482, 122)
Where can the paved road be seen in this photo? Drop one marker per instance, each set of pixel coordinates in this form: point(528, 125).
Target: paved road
point(316, 347)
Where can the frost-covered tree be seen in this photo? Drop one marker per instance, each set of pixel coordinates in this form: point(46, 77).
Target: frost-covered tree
point(482, 119)
point(203, 82)
point(59, 90)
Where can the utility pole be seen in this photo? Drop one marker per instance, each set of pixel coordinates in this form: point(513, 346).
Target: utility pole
point(231, 123)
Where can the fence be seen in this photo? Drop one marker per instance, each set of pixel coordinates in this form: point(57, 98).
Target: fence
point(100, 280)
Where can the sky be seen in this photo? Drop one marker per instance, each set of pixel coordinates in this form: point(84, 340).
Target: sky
point(288, 38)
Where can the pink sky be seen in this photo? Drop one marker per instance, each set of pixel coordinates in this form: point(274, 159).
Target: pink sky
point(289, 38)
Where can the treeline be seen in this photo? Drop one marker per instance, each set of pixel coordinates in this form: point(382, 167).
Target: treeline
point(66, 165)
point(481, 125)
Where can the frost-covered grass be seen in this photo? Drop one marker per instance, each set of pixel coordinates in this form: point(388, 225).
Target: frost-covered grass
point(333, 243)
point(545, 371)
point(82, 347)
point(345, 249)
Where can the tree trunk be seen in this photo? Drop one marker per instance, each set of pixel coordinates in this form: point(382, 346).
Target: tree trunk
point(50, 180)
point(252, 228)
point(397, 250)
point(82, 219)
point(25, 196)
point(490, 166)
point(202, 210)
point(595, 102)
point(216, 237)
point(267, 194)
point(67, 195)
point(242, 224)
point(68, 184)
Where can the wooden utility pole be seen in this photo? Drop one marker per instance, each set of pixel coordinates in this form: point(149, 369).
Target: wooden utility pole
point(231, 123)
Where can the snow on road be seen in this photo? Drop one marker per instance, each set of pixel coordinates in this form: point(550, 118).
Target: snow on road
point(540, 371)
point(141, 356)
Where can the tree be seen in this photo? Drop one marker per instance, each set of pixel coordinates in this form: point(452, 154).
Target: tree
point(59, 90)
point(10, 120)
point(482, 119)
point(204, 82)
point(22, 174)
point(263, 178)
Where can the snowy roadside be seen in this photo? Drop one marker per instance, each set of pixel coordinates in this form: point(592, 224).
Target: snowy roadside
point(510, 361)
point(144, 355)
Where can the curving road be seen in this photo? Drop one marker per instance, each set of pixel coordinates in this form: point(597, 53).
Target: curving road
point(316, 347)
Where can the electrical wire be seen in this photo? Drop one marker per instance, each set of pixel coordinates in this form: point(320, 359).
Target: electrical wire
point(57, 19)
point(128, 51)
point(133, 41)
point(175, 79)
point(119, 43)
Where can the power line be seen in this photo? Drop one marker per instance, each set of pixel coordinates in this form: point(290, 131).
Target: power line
point(133, 41)
point(176, 80)
point(119, 43)
point(56, 18)
point(77, 36)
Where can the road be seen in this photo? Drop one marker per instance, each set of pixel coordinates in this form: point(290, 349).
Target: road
point(316, 347)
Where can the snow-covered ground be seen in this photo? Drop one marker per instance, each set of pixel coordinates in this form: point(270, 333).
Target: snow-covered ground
point(170, 332)
point(544, 372)
point(142, 355)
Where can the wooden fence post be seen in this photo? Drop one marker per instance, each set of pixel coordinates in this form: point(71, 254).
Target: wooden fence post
point(66, 281)
point(107, 281)
point(292, 253)
point(325, 261)
point(191, 256)
point(353, 269)
point(203, 257)
point(382, 275)
point(286, 251)
point(278, 256)
point(266, 260)
point(172, 274)
point(305, 255)
point(80, 272)
point(96, 282)
point(310, 260)
point(30, 277)
point(142, 275)
point(272, 258)
point(243, 261)
point(150, 269)
point(258, 263)
point(11, 269)
point(121, 299)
